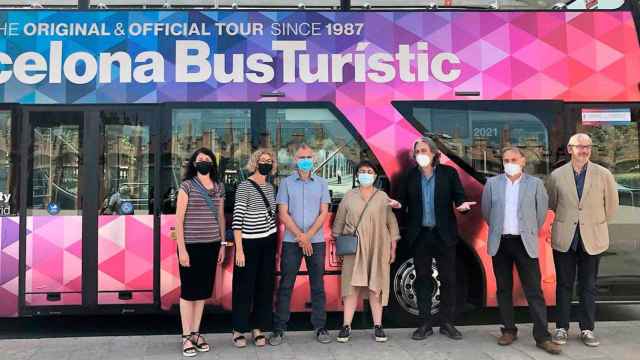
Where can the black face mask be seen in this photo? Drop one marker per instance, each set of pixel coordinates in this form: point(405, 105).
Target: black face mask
point(265, 169)
point(204, 167)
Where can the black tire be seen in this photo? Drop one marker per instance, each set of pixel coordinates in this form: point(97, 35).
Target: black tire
point(402, 310)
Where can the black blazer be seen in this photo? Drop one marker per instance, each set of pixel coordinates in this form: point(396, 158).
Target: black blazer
point(448, 191)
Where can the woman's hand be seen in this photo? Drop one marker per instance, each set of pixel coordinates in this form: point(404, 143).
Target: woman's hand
point(392, 258)
point(221, 254)
point(239, 258)
point(394, 204)
point(183, 258)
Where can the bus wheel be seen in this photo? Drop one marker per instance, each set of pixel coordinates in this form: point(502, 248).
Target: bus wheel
point(403, 300)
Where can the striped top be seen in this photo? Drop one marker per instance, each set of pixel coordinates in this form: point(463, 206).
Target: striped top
point(200, 224)
point(249, 213)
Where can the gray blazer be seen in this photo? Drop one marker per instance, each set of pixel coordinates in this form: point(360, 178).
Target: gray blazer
point(532, 210)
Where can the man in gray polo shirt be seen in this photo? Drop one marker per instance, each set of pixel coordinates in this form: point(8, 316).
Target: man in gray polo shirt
point(303, 205)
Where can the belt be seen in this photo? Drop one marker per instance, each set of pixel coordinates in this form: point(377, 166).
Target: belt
point(510, 236)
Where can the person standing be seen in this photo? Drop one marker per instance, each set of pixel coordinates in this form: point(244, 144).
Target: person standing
point(254, 232)
point(584, 197)
point(303, 205)
point(431, 193)
point(199, 231)
point(515, 206)
point(365, 274)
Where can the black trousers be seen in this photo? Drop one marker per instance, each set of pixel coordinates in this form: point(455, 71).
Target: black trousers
point(587, 269)
point(429, 246)
point(510, 252)
point(252, 296)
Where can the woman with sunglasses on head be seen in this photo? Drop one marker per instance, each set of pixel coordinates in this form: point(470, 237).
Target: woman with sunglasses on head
point(367, 212)
point(199, 231)
point(254, 232)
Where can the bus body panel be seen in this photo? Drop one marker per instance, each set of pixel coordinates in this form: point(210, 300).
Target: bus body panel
point(567, 56)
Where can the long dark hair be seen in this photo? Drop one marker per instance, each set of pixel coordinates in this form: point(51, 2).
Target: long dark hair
point(191, 170)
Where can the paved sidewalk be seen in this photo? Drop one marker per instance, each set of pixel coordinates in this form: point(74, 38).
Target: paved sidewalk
point(620, 340)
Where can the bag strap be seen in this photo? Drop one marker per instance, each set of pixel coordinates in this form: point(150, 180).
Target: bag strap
point(201, 189)
point(363, 210)
point(264, 197)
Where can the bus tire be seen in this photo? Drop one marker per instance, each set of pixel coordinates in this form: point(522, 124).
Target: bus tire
point(403, 308)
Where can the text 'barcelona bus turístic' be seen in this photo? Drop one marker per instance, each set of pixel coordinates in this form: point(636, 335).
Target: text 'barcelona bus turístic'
point(100, 109)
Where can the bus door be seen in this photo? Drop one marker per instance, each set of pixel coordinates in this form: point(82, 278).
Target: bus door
point(89, 219)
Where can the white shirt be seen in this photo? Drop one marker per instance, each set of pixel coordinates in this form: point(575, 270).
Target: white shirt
point(511, 226)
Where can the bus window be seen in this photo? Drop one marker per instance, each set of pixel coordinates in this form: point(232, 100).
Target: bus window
point(614, 132)
point(337, 150)
point(126, 166)
point(226, 131)
point(8, 168)
point(477, 133)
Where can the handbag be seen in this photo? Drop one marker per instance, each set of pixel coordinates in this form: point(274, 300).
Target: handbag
point(348, 244)
point(264, 198)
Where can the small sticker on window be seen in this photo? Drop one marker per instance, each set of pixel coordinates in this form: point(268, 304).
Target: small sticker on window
point(606, 116)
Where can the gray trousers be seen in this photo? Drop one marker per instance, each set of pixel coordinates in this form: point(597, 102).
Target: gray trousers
point(290, 261)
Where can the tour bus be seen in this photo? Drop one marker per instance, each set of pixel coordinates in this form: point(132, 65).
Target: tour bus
point(100, 109)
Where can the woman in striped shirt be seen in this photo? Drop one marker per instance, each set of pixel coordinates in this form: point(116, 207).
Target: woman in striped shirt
point(254, 232)
point(199, 230)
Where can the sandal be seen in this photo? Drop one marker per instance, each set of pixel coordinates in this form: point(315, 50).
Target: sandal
point(259, 340)
point(201, 346)
point(240, 341)
point(188, 349)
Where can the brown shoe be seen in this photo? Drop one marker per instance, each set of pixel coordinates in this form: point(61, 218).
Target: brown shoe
point(507, 338)
point(549, 346)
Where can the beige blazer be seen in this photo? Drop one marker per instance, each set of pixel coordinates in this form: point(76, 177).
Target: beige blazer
point(596, 208)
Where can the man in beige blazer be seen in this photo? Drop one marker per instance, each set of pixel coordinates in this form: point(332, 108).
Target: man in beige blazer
point(584, 198)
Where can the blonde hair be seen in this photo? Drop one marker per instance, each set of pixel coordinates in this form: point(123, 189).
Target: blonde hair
point(252, 164)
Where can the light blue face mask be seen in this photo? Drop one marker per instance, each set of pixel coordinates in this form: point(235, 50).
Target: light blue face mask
point(366, 179)
point(305, 164)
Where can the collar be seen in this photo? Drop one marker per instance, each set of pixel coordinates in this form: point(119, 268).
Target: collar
point(582, 171)
point(298, 178)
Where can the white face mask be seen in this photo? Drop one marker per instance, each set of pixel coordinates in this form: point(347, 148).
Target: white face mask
point(512, 169)
point(423, 160)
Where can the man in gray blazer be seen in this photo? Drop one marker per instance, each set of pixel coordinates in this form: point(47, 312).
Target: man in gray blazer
point(514, 205)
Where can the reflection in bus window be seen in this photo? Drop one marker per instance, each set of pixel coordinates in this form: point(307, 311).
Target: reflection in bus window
point(8, 168)
point(126, 170)
point(225, 131)
point(336, 150)
point(616, 147)
point(478, 136)
point(56, 163)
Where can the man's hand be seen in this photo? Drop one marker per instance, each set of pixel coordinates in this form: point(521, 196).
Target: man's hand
point(466, 206)
point(305, 243)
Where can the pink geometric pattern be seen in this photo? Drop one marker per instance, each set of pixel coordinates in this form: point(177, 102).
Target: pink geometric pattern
point(125, 256)
point(169, 276)
point(54, 259)
point(9, 253)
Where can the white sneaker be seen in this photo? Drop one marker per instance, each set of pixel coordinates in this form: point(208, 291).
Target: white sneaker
point(560, 336)
point(589, 338)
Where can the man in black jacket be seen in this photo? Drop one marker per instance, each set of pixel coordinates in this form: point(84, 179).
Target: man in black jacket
point(430, 192)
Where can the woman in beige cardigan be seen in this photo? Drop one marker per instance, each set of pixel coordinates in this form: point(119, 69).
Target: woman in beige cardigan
point(366, 274)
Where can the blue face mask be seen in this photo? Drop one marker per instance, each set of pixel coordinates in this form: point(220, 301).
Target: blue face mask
point(305, 164)
point(366, 179)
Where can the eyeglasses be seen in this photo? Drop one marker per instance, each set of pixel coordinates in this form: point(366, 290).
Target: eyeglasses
point(582, 147)
point(265, 161)
point(305, 157)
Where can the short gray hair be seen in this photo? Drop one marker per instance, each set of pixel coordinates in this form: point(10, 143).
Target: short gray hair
point(302, 146)
point(515, 149)
point(576, 137)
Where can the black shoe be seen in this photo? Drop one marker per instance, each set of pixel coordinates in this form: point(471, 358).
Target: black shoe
point(422, 332)
point(451, 332)
point(322, 335)
point(378, 333)
point(344, 335)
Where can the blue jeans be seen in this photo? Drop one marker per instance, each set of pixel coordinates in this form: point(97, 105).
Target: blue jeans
point(290, 261)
